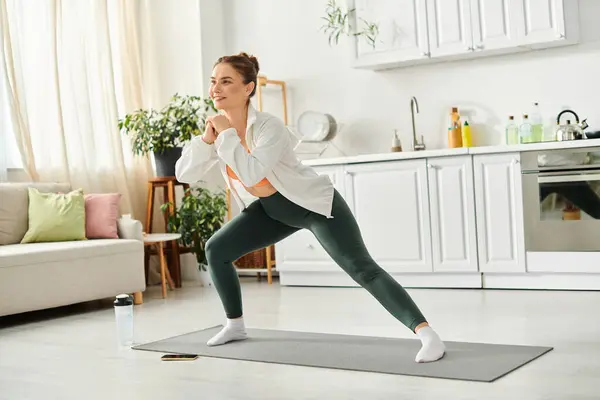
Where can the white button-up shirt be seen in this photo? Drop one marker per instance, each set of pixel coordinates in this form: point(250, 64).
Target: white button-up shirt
point(271, 156)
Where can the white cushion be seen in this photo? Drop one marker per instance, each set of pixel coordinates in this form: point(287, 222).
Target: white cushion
point(13, 255)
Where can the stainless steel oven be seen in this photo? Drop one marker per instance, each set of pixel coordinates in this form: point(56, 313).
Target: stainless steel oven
point(561, 199)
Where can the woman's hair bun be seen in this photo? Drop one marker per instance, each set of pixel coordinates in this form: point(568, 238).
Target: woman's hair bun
point(252, 59)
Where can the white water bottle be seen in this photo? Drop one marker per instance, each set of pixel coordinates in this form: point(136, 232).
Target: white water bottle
point(124, 319)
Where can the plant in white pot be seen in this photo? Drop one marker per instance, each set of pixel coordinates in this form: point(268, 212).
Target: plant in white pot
point(200, 215)
point(164, 132)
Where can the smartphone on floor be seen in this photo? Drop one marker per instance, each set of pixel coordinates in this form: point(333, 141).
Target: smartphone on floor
point(179, 357)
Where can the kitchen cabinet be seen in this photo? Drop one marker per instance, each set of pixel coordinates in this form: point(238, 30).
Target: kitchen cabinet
point(301, 250)
point(335, 174)
point(461, 27)
point(499, 212)
point(450, 218)
point(402, 30)
point(522, 24)
point(450, 29)
point(390, 203)
point(495, 24)
point(547, 21)
point(426, 31)
point(452, 210)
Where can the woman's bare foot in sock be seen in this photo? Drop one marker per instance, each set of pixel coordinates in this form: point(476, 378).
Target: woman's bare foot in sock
point(432, 346)
point(233, 330)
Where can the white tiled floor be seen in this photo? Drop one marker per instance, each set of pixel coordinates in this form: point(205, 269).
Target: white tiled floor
point(71, 354)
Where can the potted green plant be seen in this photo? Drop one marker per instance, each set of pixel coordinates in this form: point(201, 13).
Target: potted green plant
point(200, 215)
point(164, 132)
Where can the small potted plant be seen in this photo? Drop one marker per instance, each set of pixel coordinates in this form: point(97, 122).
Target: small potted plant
point(164, 132)
point(200, 215)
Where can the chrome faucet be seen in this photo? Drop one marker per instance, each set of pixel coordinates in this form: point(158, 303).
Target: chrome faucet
point(416, 145)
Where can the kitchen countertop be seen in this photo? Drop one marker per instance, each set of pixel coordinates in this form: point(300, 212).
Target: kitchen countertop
point(570, 144)
point(405, 155)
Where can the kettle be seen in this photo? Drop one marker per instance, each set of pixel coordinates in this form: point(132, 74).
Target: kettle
point(569, 131)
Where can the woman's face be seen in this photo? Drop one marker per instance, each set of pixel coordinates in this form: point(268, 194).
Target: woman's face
point(227, 88)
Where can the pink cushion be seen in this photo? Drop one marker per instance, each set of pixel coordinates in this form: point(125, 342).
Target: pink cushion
point(101, 215)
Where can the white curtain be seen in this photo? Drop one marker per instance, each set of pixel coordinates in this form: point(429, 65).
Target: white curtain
point(73, 68)
point(3, 124)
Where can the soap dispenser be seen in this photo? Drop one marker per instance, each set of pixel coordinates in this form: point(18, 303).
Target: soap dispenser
point(396, 146)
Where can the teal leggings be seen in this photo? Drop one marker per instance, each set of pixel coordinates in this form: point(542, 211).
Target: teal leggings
point(270, 219)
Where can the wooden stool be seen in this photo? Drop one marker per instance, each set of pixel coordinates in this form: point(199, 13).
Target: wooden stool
point(157, 240)
point(168, 184)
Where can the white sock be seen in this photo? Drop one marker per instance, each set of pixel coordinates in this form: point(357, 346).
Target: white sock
point(432, 346)
point(233, 330)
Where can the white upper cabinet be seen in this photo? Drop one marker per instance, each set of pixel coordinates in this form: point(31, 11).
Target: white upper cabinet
point(449, 27)
point(547, 21)
point(424, 31)
point(402, 26)
point(495, 24)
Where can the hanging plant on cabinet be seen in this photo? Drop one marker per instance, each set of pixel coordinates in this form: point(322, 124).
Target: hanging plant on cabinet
point(338, 23)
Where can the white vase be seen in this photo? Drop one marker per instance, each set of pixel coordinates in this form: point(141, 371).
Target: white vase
point(191, 271)
point(205, 278)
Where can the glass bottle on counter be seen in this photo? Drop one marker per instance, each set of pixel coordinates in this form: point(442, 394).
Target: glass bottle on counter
point(537, 125)
point(511, 131)
point(525, 130)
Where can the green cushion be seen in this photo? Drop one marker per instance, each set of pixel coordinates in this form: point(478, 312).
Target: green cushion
point(55, 217)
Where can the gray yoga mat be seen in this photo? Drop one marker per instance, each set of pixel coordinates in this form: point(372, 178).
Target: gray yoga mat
point(465, 361)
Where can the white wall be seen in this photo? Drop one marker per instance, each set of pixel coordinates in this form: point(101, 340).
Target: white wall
point(180, 43)
point(171, 43)
point(371, 105)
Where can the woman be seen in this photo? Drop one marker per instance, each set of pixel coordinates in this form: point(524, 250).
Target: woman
point(255, 154)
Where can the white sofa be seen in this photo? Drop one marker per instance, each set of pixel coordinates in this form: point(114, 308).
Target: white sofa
point(36, 276)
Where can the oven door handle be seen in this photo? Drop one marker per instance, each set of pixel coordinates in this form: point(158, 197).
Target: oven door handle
point(564, 178)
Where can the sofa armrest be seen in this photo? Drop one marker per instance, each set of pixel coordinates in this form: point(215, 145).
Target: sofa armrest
point(130, 228)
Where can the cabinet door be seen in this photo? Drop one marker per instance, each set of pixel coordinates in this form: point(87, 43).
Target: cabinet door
point(499, 212)
point(302, 250)
point(543, 21)
point(452, 208)
point(450, 30)
point(335, 174)
point(495, 24)
point(402, 30)
point(389, 201)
